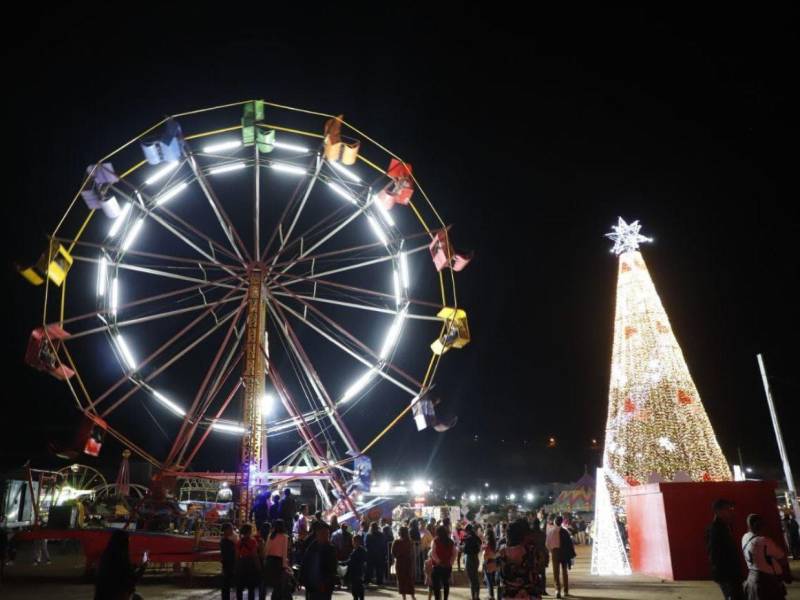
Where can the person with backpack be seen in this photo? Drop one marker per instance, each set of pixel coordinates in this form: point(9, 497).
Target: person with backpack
point(471, 548)
point(766, 563)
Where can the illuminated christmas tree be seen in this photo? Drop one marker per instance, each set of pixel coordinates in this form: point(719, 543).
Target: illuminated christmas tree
point(657, 428)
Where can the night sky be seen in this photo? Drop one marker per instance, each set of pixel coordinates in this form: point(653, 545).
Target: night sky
point(532, 132)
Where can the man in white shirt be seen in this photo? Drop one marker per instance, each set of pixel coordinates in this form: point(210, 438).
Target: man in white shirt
point(553, 544)
point(762, 556)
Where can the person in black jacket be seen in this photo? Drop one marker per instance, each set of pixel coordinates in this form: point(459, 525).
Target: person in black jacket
point(116, 576)
point(471, 548)
point(227, 551)
point(723, 552)
point(355, 569)
point(288, 508)
point(376, 554)
point(318, 570)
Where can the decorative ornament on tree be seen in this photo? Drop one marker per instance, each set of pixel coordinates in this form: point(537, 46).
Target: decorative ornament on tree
point(629, 405)
point(661, 328)
point(625, 267)
point(626, 237)
point(684, 398)
point(630, 331)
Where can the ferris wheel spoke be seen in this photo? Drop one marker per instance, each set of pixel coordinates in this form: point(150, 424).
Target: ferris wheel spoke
point(303, 427)
point(175, 231)
point(178, 232)
point(160, 350)
point(349, 351)
point(316, 384)
point(179, 260)
point(225, 371)
point(158, 273)
point(354, 289)
point(148, 318)
point(367, 307)
point(222, 217)
point(359, 265)
point(278, 230)
point(184, 464)
point(191, 228)
point(172, 360)
point(192, 413)
point(354, 340)
point(141, 301)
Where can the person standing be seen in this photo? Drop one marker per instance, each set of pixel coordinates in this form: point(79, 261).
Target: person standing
point(792, 535)
point(355, 568)
point(388, 536)
point(342, 540)
point(300, 529)
point(553, 544)
point(288, 507)
point(538, 544)
point(275, 509)
point(227, 551)
point(425, 543)
point(376, 554)
point(723, 553)
point(566, 552)
point(116, 576)
point(490, 561)
point(403, 563)
point(318, 570)
point(471, 548)
point(443, 553)
point(276, 561)
point(40, 552)
point(248, 564)
point(766, 563)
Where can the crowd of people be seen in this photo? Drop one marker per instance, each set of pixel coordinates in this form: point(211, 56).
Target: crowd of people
point(288, 548)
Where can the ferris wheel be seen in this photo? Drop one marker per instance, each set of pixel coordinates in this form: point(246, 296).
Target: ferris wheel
point(250, 272)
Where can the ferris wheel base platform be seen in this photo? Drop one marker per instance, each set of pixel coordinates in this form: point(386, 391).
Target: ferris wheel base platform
point(161, 547)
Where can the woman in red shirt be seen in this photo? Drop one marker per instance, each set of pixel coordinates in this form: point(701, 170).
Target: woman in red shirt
point(443, 553)
point(248, 564)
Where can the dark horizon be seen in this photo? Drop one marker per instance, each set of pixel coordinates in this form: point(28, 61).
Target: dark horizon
point(531, 135)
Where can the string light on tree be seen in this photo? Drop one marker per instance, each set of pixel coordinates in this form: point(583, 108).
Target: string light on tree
point(608, 553)
point(656, 422)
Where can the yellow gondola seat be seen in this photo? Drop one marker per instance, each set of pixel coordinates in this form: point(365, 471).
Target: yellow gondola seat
point(456, 330)
point(337, 148)
point(55, 267)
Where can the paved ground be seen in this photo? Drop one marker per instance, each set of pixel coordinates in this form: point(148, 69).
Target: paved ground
point(62, 580)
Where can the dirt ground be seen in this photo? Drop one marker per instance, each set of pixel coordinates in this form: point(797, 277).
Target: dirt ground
point(62, 580)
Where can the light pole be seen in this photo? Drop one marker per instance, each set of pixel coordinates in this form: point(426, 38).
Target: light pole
point(787, 469)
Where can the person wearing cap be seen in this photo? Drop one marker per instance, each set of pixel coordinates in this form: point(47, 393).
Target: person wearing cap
point(766, 563)
point(723, 552)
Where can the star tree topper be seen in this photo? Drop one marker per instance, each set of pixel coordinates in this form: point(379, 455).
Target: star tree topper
point(626, 237)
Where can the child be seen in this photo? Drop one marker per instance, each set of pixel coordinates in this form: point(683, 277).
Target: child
point(429, 575)
point(355, 568)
